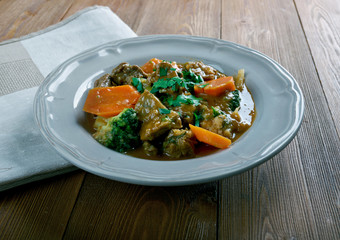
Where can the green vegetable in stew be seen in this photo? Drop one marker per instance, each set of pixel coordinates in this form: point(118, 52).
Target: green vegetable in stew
point(234, 100)
point(120, 132)
point(136, 82)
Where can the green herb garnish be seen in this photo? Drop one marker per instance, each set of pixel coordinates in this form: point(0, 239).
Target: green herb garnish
point(136, 82)
point(216, 112)
point(163, 110)
point(185, 99)
point(172, 83)
point(190, 76)
point(198, 118)
point(235, 101)
point(163, 72)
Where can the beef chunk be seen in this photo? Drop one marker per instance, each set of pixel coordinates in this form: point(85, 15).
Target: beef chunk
point(124, 73)
point(149, 149)
point(207, 72)
point(154, 123)
point(187, 113)
point(221, 125)
point(104, 81)
point(179, 143)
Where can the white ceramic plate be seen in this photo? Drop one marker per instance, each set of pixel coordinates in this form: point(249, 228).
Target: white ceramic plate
point(60, 99)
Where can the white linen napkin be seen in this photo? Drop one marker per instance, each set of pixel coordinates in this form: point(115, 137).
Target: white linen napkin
point(24, 63)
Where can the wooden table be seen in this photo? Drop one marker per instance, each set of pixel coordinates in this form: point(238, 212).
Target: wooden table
point(295, 195)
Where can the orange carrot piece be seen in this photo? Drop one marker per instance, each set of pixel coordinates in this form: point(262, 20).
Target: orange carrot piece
point(217, 86)
point(211, 138)
point(110, 101)
point(149, 66)
point(199, 88)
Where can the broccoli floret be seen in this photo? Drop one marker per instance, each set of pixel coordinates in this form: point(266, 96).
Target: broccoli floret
point(120, 133)
point(235, 100)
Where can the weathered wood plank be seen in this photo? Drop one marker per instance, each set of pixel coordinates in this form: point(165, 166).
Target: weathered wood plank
point(110, 210)
point(321, 24)
point(39, 210)
point(294, 194)
point(19, 18)
point(190, 17)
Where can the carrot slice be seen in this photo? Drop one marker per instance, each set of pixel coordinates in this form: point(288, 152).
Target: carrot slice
point(149, 66)
point(110, 101)
point(199, 88)
point(216, 87)
point(213, 139)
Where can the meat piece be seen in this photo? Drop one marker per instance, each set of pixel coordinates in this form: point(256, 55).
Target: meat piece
point(149, 149)
point(220, 125)
point(186, 112)
point(104, 81)
point(207, 72)
point(154, 123)
point(124, 73)
point(179, 143)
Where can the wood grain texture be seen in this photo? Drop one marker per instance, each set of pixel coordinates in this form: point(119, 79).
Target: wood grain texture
point(189, 17)
point(19, 18)
point(293, 195)
point(39, 210)
point(321, 24)
point(112, 210)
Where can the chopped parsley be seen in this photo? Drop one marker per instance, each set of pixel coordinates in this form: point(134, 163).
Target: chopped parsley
point(191, 80)
point(163, 83)
point(216, 112)
point(163, 110)
point(235, 101)
point(185, 99)
point(190, 76)
point(136, 82)
point(198, 118)
point(188, 81)
point(163, 72)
